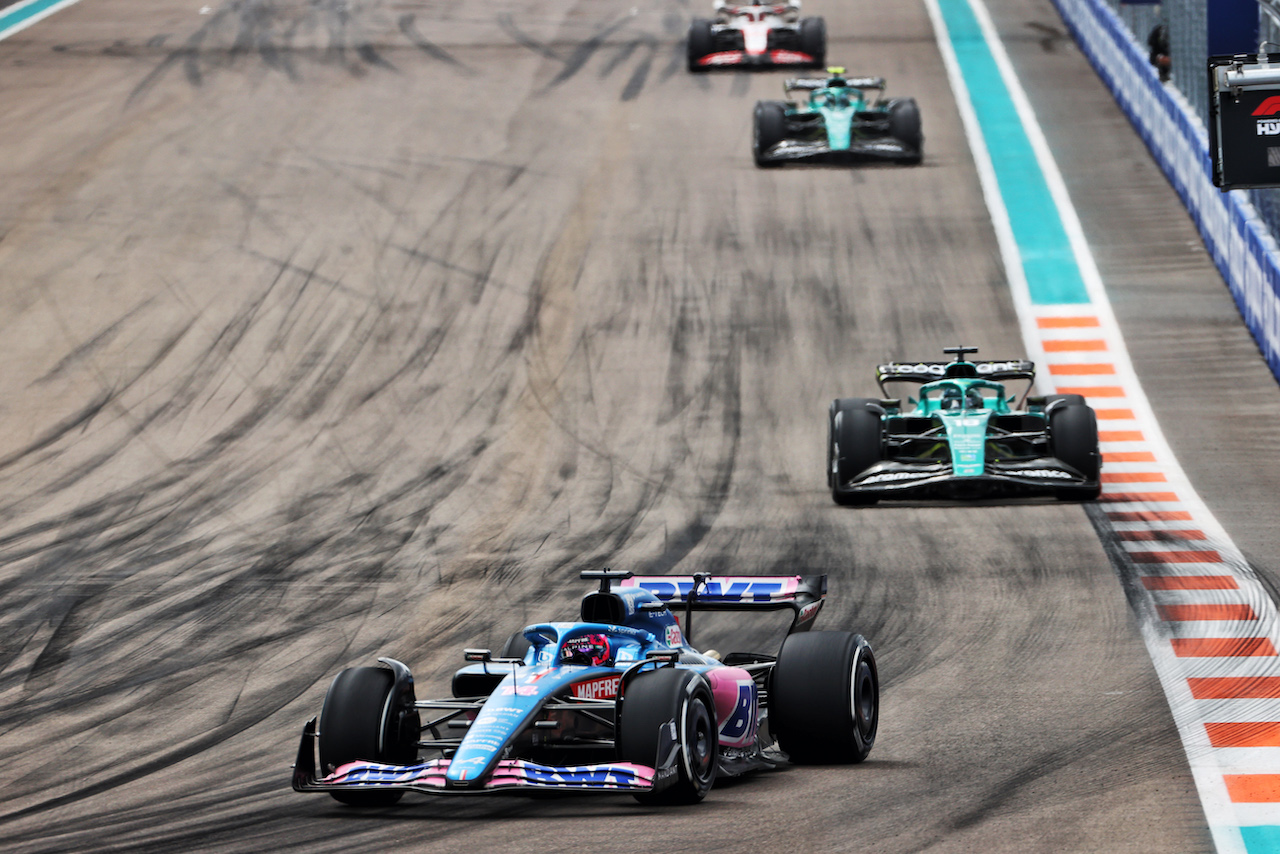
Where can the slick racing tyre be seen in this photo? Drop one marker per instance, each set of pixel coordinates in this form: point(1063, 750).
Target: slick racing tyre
point(1073, 438)
point(701, 43)
point(360, 720)
point(904, 126)
point(813, 40)
point(650, 703)
point(770, 129)
point(516, 646)
point(854, 445)
point(1051, 399)
point(824, 697)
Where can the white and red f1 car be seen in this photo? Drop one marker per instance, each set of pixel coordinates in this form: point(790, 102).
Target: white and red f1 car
point(758, 33)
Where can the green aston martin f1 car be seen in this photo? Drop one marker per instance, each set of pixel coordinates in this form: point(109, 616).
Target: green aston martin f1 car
point(837, 123)
point(963, 438)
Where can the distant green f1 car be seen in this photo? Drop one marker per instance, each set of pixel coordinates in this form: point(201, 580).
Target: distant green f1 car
point(837, 124)
point(962, 438)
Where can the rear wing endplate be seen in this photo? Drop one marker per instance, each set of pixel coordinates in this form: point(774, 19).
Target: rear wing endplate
point(803, 595)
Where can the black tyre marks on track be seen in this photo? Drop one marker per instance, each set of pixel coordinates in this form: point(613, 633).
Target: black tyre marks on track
point(351, 36)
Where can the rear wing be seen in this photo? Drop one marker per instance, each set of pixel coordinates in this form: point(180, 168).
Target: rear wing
point(803, 595)
point(927, 372)
point(811, 83)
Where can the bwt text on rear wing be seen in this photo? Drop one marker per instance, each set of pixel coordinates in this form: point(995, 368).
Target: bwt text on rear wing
point(803, 595)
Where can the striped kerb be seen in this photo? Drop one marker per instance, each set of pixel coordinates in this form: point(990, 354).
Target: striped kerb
point(1066, 322)
point(1190, 582)
point(1253, 788)
point(1134, 477)
point(1081, 346)
point(1140, 497)
point(1149, 516)
point(1207, 556)
point(1222, 647)
point(1161, 535)
point(1093, 390)
point(1244, 733)
point(1235, 687)
point(1196, 613)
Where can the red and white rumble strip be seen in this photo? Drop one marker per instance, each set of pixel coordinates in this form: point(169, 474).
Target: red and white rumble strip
point(1211, 627)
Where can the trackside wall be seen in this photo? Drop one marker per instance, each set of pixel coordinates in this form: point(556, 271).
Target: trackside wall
point(1238, 241)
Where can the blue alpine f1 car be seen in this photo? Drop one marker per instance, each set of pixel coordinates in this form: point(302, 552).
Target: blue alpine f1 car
point(618, 702)
point(963, 437)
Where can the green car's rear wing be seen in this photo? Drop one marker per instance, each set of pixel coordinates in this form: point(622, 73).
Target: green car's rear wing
point(823, 82)
point(927, 372)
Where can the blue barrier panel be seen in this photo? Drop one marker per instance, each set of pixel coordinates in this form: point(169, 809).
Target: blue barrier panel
point(1240, 245)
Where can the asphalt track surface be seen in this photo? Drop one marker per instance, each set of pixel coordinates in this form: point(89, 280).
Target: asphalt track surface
point(333, 330)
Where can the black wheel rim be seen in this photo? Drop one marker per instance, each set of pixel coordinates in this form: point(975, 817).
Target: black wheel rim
point(865, 700)
point(698, 743)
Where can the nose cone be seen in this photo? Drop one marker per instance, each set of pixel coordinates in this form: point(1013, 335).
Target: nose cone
point(967, 432)
point(839, 121)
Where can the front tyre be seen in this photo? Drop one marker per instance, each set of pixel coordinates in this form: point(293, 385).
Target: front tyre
point(770, 128)
point(701, 43)
point(824, 697)
point(651, 704)
point(904, 126)
point(813, 40)
point(856, 434)
point(516, 646)
point(1073, 438)
point(360, 720)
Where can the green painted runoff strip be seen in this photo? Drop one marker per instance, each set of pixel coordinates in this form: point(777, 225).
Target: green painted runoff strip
point(1263, 839)
point(19, 14)
point(1053, 276)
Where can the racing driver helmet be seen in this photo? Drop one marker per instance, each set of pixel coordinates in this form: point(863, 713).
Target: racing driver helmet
point(953, 399)
point(588, 650)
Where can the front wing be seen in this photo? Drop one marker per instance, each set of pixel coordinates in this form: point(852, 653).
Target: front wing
point(509, 775)
point(768, 59)
point(879, 148)
point(904, 480)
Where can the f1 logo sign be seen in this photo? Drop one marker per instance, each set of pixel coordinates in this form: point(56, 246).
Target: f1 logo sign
point(1269, 107)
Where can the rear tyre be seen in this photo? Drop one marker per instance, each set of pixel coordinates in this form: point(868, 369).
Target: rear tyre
point(855, 446)
point(701, 43)
point(904, 126)
point(516, 646)
point(651, 702)
point(813, 40)
point(770, 129)
point(824, 697)
point(1073, 438)
point(361, 721)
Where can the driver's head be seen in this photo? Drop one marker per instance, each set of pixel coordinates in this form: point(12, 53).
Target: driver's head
point(974, 399)
point(587, 650)
point(952, 399)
